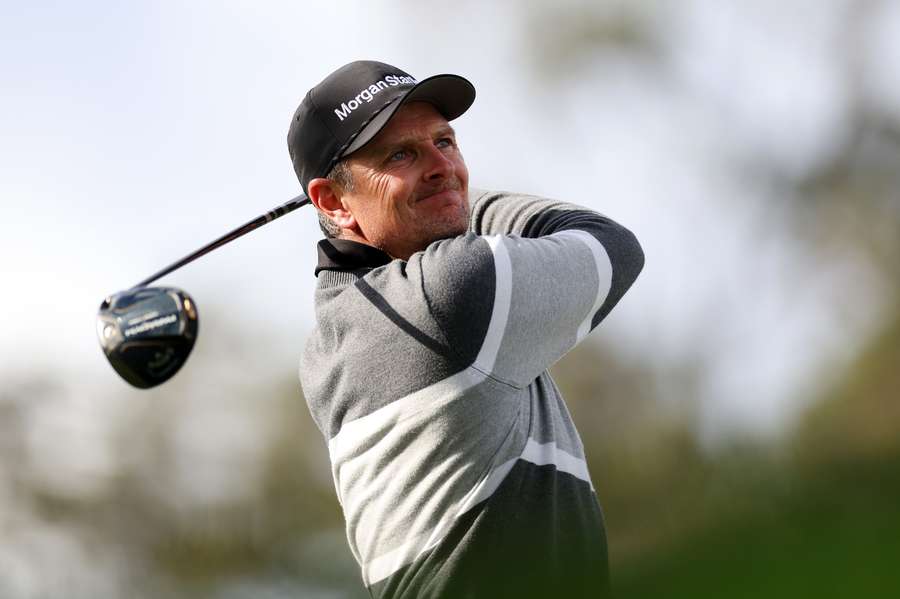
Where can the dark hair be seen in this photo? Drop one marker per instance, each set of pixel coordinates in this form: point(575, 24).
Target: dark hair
point(341, 175)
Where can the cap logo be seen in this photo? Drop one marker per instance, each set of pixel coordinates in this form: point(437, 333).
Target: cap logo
point(367, 94)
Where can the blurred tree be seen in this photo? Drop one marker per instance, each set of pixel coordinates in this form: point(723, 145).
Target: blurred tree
point(816, 513)
point(858, 420)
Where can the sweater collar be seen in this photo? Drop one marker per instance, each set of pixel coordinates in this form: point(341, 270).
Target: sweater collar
point(343, 255)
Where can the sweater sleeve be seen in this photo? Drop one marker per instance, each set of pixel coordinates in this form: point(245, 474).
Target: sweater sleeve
point(529, 282)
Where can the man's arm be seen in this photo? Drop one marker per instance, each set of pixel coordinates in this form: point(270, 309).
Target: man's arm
point(501, 213)
point(537, 279)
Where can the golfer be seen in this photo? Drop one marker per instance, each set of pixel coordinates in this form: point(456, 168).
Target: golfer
point(439, 309)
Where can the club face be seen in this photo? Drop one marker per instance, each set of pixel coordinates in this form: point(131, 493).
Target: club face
point(147, 333)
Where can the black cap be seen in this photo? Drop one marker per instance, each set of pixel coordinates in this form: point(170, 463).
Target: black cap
point(350, 106)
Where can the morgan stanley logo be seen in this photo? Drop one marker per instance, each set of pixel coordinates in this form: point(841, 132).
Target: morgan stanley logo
point(368, 94)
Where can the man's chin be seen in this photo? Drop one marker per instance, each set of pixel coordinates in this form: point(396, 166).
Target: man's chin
point(439, 231)
point(450, 229)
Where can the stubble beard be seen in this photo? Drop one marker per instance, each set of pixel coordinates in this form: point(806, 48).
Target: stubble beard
point(448, 224)
point(444, 223)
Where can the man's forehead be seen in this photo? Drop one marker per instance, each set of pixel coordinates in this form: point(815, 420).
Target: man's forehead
point(411, 122)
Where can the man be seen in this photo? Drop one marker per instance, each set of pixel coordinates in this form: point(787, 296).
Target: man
point(439, 310)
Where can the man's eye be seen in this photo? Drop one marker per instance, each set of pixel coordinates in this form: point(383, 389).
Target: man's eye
point(398, 155)
point(444, 142)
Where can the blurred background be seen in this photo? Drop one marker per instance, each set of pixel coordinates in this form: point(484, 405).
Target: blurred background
point(740, 407)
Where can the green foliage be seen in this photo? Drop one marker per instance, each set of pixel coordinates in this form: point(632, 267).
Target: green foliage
point(817, 514)
point(835, 533)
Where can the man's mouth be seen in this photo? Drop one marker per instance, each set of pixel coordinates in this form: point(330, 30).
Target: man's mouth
point(445, 191)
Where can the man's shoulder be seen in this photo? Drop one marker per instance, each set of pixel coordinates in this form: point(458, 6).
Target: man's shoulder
point(480, 198)
point(509, 212)
point(480, 193)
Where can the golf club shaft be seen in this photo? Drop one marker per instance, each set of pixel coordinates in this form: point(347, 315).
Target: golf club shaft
point(289, 206)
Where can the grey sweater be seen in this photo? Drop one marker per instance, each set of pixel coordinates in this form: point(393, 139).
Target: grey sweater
point(456, 463)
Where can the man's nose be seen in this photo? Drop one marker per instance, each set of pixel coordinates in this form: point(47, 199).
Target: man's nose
point(439, 166)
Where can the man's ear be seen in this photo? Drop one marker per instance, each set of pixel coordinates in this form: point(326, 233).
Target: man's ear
point(326, 195)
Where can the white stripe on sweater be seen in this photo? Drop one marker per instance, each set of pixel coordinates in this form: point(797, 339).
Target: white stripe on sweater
point(356, 435)
point(604, 274)
point(487, 356)
point(547, 454)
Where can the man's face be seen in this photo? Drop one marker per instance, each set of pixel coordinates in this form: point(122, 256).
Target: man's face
point(410, 183)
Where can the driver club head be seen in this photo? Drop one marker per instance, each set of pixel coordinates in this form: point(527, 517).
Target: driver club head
point(147, 333)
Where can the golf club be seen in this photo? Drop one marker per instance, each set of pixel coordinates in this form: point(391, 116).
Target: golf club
point(146, 332)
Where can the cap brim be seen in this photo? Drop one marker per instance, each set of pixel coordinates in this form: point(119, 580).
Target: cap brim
point(452, 95)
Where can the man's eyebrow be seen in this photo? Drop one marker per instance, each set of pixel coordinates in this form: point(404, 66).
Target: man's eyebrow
point(444, 131)
point(448, 130)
